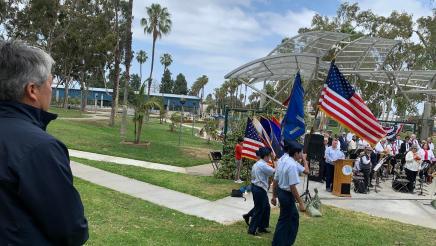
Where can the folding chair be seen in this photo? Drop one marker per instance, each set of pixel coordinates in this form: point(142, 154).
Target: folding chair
point(215, 158)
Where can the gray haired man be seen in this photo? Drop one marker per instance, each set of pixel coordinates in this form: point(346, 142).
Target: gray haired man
point(39, 204)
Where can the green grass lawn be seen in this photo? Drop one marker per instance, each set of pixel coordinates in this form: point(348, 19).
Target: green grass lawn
point(98, 137)
point(118, 219)
point(208, 188)
point(68, 113)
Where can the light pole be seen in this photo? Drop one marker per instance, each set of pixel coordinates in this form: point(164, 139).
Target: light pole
point(182, 102)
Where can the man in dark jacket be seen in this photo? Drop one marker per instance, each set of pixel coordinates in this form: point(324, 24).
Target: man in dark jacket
point(38, 202)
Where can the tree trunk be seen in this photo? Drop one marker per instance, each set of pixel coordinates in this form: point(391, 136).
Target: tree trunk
point(66, 85)
point(138, 133)
point(140, 72)
point(127, 64)
point(152, 64)
point(134, 129)
point(84, 98)
point(117, 71)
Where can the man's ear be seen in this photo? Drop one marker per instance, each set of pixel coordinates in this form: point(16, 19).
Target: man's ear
point(31, 91)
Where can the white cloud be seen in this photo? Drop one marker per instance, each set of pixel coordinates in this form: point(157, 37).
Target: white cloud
point(288, 24)
point(214, 37)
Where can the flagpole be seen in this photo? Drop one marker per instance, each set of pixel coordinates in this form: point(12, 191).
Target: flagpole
point(306, 193)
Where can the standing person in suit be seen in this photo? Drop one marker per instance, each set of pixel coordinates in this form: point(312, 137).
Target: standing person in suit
point(343, 143)
point(404, 149)
point(332, 154)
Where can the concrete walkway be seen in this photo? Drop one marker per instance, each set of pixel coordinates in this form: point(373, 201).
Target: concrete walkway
point(126, 161)
point(89, 116)
point(403, 207)
point(387, 203)
point(225, 211)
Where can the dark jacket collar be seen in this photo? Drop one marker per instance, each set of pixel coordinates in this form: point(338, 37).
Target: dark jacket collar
point(11, 109)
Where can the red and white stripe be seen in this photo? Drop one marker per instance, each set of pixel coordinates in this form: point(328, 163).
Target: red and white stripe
point(353, 114)
point(249, 148)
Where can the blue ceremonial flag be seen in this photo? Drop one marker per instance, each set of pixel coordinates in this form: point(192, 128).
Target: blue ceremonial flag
point(293, 123)
point(273, 133)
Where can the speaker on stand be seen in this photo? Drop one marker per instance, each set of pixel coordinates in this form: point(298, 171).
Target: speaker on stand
point(315, 156)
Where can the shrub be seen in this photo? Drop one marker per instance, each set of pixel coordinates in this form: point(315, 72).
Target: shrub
point(228, 166)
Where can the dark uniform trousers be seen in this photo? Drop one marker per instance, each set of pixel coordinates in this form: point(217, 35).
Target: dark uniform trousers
point(287, 225)
point(330, 175)
point(261, 211)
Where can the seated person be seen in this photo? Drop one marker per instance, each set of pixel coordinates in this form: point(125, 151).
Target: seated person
point(363, 165)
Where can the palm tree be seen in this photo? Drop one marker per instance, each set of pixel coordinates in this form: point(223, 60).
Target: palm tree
point(203, 81)
point(166, 60)
point(157, 23)
point(141, 106)
point(141, 58)
point(127, 63)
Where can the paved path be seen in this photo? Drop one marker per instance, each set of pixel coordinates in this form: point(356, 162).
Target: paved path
point(89, 116)
point(224, 211)
point(403, 207)
point(126, 161)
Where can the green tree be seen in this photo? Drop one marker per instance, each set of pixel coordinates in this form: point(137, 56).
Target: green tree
point(351, 19)
point(135, 82)
point(180, 85)
point(167, 83)
point(141, 106)
point(141, 58)
point(166, 60)
point(211, 128)
point(157, 23)
point(127, 63)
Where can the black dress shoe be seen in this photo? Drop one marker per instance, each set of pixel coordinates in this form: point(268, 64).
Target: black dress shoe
point(263, 231)
point(253, 233)
point(246, 218)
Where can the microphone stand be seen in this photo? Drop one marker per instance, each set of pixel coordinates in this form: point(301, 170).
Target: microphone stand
point(306, 193)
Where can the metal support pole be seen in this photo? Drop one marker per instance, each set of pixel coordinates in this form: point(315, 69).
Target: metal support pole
point(280, 91)
point(261, 92)
point(181, 123)
point(193, 122)
point(226, 122)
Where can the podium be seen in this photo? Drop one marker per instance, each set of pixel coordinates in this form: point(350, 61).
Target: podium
point(342, 178)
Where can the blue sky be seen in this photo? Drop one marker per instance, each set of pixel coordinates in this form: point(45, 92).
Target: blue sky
point(213, 37)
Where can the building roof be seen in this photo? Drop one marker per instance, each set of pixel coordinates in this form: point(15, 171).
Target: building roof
point(110, 91)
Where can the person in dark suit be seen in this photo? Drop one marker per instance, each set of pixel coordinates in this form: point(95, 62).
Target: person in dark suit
point(38, 202)
point(404, 148)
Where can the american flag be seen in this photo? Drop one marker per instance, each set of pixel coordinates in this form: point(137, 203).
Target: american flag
point(340, 101)
point(252, 141)
point(392, 131)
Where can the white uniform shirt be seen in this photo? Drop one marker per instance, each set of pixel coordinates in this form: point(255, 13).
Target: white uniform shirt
point(287, 172)
point(352, 145)
point(361, 144)
point(411, 163)
point(416, 142)
point(379, 148)
point(430, 155)
point(260, 173)
point(431, 146)
point(349, 136)
point(397, 144)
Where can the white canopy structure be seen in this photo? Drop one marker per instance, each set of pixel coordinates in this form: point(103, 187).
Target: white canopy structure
point(311, 52)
